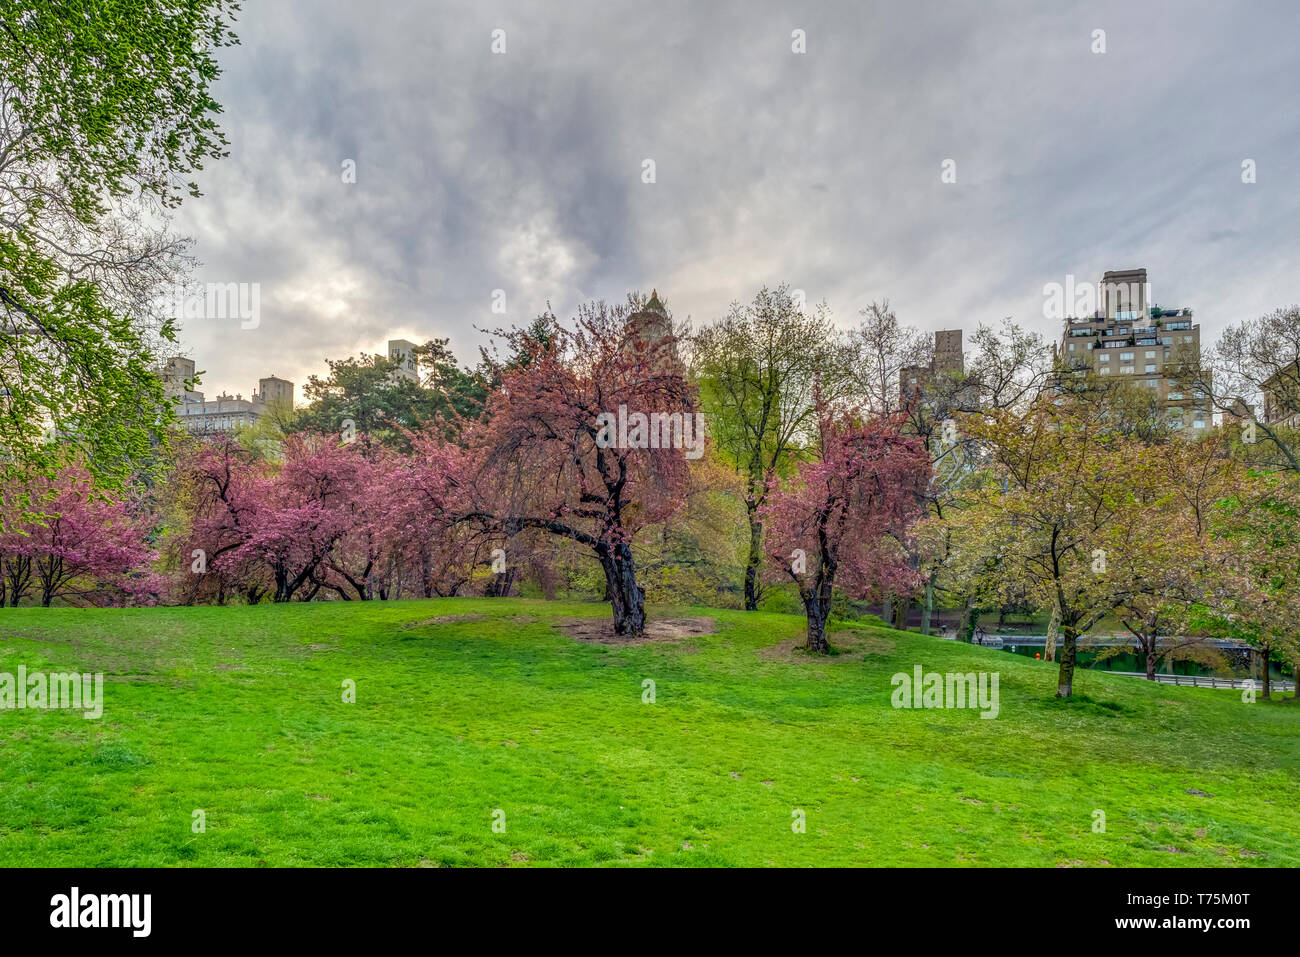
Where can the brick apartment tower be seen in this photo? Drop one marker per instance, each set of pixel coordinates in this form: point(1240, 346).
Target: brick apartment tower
point(1126, 338)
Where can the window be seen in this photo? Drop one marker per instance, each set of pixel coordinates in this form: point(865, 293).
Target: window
point(1126, 357)
point(1151, 367)
point(1176, 395)
point(1153, 383)
point(1105, 357)
point(1151, 353)
point(1167, 340)
point(1126, 370)
point(1198, 424)
point(1071, 346)
point(1105, 370)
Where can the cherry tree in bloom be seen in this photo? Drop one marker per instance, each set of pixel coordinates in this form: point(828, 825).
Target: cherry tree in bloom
point(437, 546)
point(302, 511)
point(254, 520)
point(845, 520)
point(219, 484)
point(77, 544)
point(546, 458)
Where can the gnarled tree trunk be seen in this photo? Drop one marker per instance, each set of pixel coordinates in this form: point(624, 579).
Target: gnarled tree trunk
point(626, 597)
point(817, 611)
point(817, 607)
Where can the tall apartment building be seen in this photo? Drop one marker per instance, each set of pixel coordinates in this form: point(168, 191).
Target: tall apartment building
point(1129, 337)
point(1281, 393)
point(201, 416)
point(914, 382)
point(402, 352)
point(176, 373)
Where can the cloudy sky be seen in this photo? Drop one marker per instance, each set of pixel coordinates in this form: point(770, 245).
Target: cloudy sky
point(523, 171)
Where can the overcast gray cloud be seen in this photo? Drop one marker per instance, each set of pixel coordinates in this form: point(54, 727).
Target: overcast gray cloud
point(522, 171)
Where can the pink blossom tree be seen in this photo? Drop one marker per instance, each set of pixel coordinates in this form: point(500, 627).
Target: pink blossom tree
point(301, 512)
point(845, 520)
point(219, 487)
point(546, 459)
point(77, 544)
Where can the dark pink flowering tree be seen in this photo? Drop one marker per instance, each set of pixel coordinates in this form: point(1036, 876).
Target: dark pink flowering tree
point(370, 494)
point(546, 458)
point(264, 525)
point(845, 519)
point(77, 544)
point(301, 512)
point(219, 487)
point(437, 543)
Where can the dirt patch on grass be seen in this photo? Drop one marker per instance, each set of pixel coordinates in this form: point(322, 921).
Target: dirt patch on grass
point(845, 646)
point(601, 630)
point(443, 620)
point(467, 619)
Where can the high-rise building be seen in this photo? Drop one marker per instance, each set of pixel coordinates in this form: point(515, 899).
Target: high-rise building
point(402, 352)
point(201, 416)
point(273, 390)
point(178, 371)
point(652, 324)
point(1144, 344)
point(918, 382)
point(948, 356)
point(1281, 393)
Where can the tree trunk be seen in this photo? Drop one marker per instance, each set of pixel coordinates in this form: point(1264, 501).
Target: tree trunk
point(1150, 647)
point(817, 611)
point(1053, 626)
point(887, 609)
point(1065, 678)
point(969, 615)
point(502, 582)
point(901, 608)
point(928, 612)
point(1265, 653)
point(755, 560)
point(626, 597)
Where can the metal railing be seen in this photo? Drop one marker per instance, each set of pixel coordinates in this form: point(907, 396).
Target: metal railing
point(1209, 681)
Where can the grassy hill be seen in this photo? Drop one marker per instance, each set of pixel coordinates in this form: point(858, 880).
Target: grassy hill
point(469, 706)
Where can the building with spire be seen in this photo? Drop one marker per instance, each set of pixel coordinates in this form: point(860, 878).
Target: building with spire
point(652, 324)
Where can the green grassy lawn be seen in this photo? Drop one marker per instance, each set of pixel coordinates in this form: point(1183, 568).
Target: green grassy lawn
point(239, 712)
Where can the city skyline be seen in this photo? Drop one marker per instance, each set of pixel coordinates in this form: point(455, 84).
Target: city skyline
point(522, 171)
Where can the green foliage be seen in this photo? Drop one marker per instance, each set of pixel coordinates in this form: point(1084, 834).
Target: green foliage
point(115, 93)
point(77, 376)
point(105, 115)
point(367, 390)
